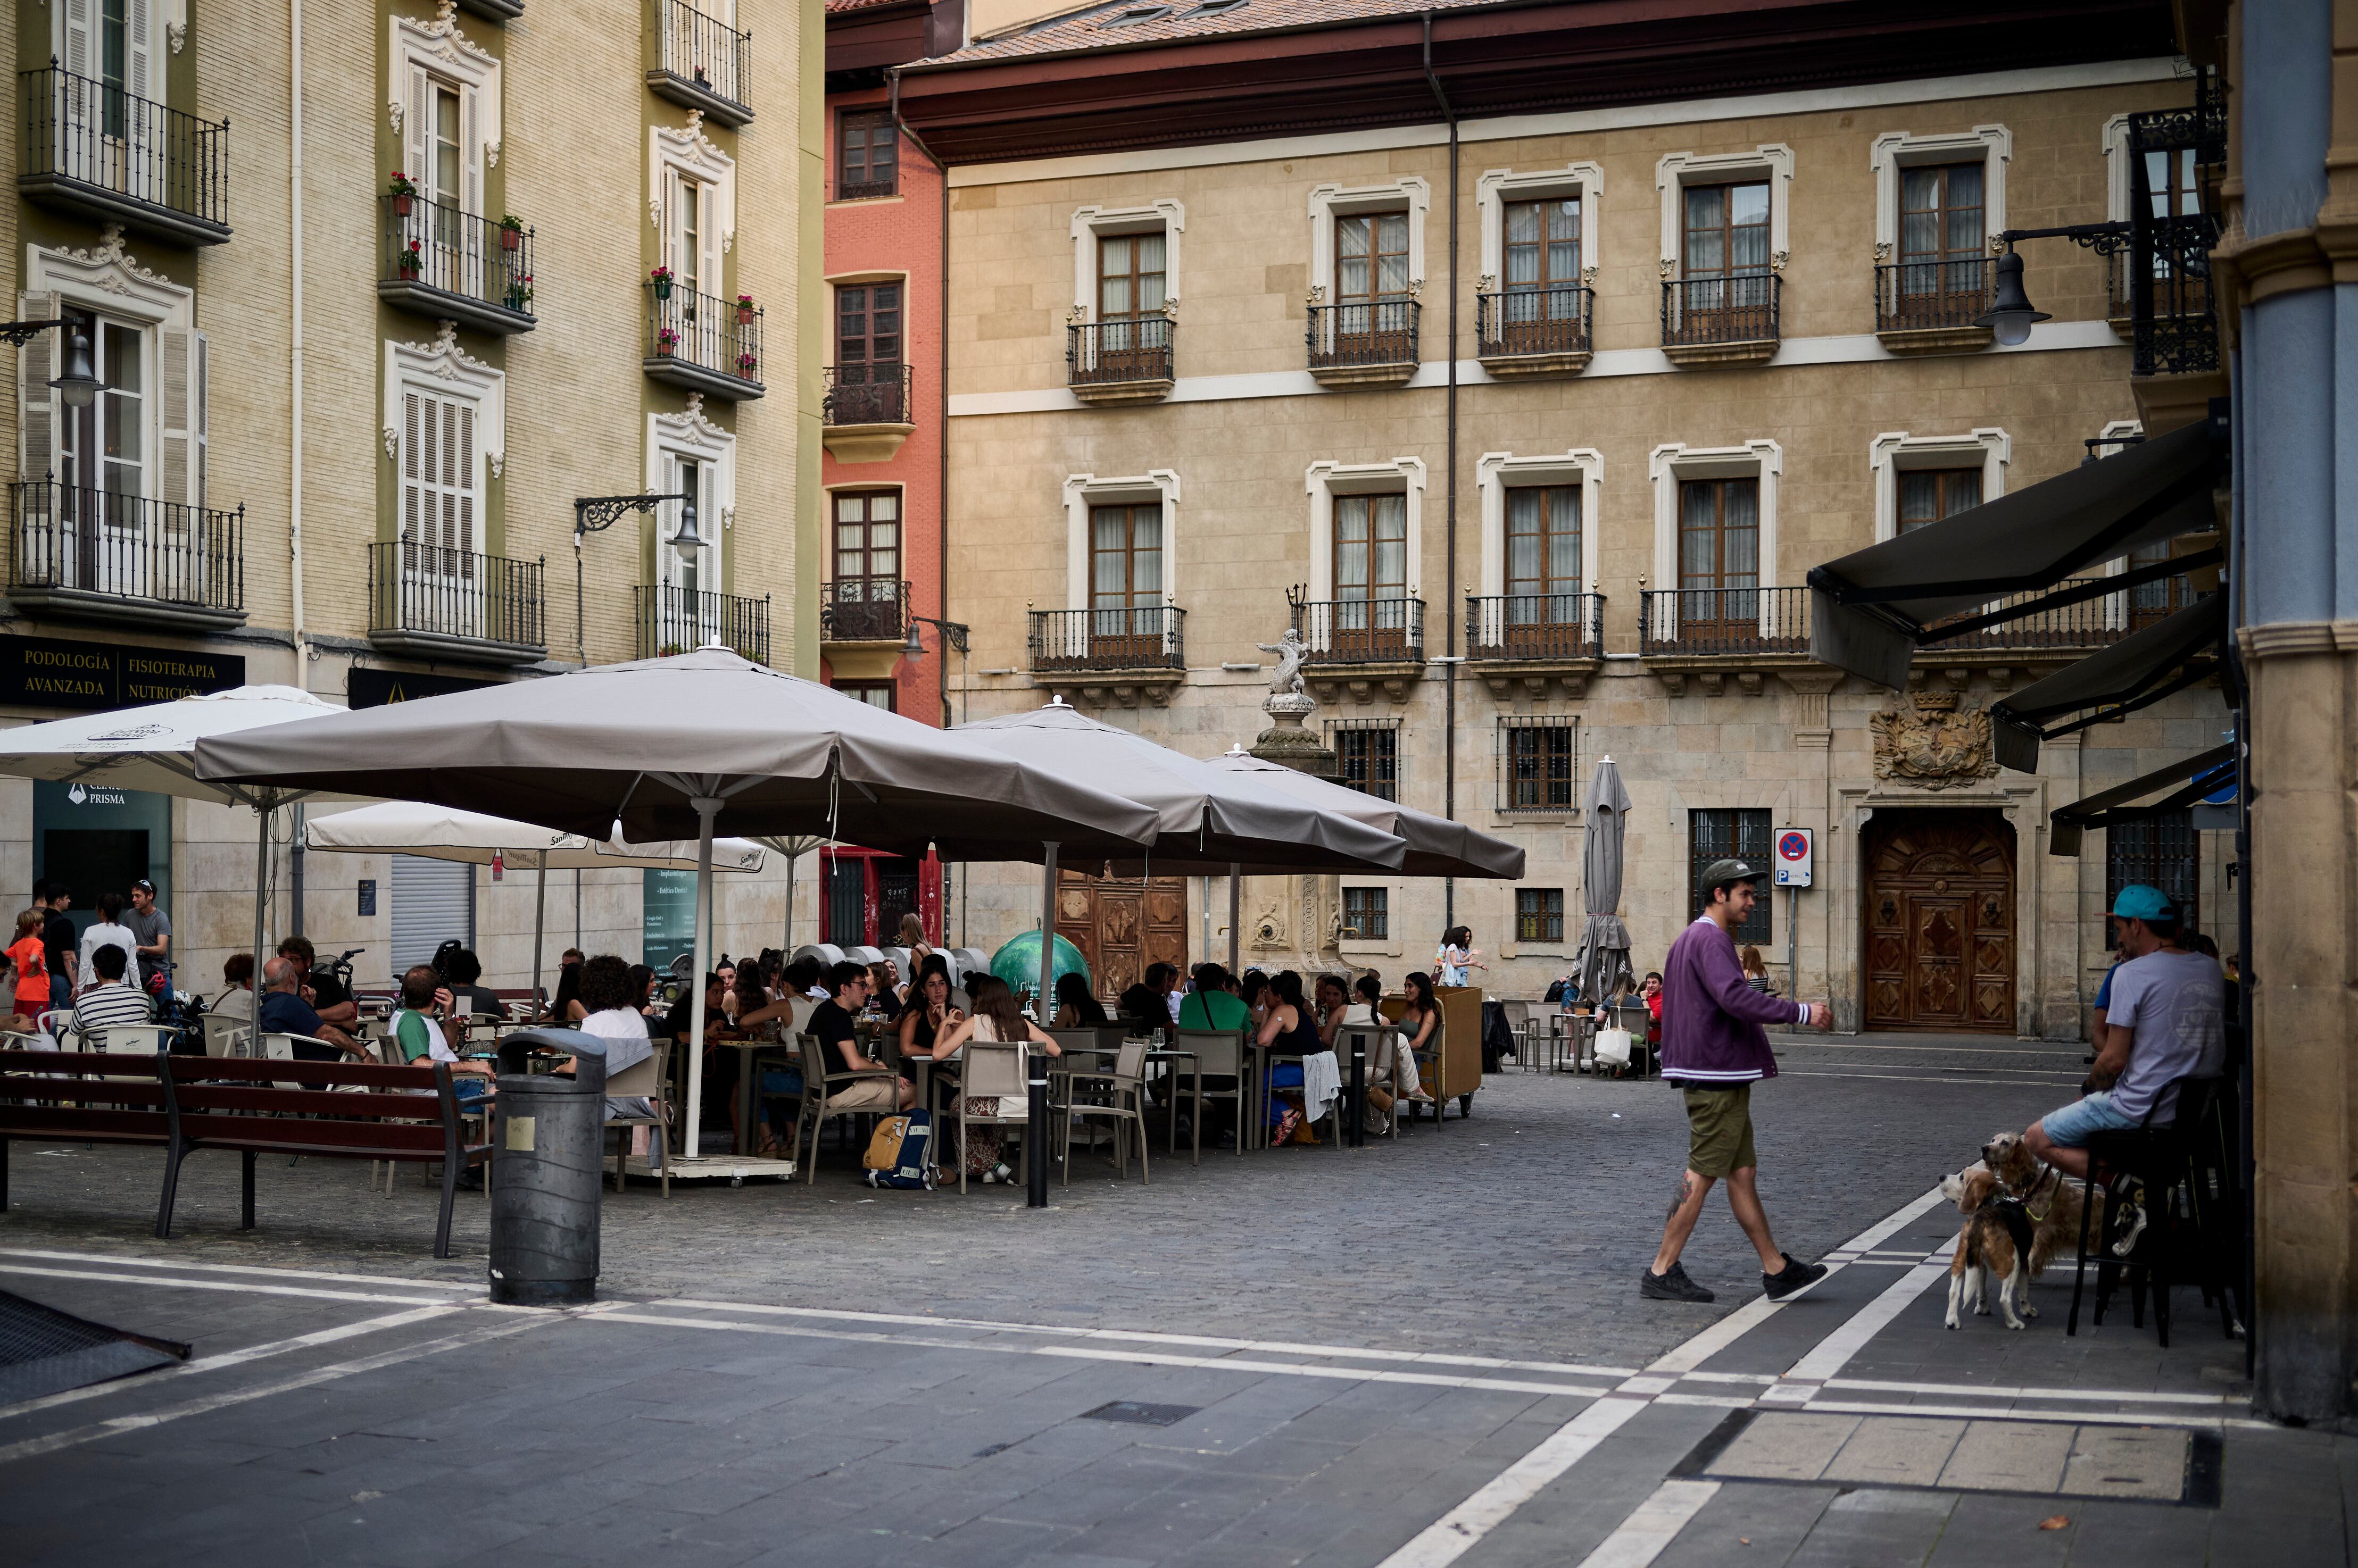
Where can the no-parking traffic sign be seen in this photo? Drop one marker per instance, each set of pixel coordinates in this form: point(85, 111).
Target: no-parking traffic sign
point(1793, 851)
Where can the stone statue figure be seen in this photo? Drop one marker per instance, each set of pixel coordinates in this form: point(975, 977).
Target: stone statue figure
point(1289, 650)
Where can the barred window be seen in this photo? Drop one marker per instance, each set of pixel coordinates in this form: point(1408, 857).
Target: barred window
point(2162, 851)
point(1539, 763)
point(1539, 914)
point(1742, 832)
point(1368, 914)
point(1367, 754)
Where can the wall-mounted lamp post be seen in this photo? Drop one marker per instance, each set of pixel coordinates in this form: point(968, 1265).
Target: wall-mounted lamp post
point(595, 515)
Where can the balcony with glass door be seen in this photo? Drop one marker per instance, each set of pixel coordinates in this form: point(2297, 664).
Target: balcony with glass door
point(428, 601)
point(696, 60)
point(1123, 353)
point(1368, 335)
point(701, 342)
point(673, 617)
point(93, 553)
point(1942, 274)
point(1535, 320)
point(1722, 308)
point(96, 149)
point(445, 264)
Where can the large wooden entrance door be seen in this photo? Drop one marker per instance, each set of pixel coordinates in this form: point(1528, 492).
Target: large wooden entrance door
point(1939, 921)
point(1121, 924)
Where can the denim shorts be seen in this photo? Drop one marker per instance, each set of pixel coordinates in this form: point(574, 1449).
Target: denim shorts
point(2070, 1128)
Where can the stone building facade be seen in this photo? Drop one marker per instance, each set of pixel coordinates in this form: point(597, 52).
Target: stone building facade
point(1534, 424)
point(362, 349)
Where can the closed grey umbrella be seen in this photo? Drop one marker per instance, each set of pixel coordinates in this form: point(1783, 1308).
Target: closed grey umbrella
point(1602, 962)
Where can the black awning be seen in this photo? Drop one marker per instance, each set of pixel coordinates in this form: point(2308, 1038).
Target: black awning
point(2197, 777)
point(2136, 672)
point(1870, 611)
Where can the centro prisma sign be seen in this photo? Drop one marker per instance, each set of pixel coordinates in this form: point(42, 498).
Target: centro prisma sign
point(48, 672)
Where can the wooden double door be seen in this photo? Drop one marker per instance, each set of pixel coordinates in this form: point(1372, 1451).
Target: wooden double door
point(1939, 926)
point(1121, 924)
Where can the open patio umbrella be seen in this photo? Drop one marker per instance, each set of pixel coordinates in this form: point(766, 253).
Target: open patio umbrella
point(1208, 816)
point(154, 749)
point(444, 833)
point(794, 847)
point(1602, 960)
point(692, 743)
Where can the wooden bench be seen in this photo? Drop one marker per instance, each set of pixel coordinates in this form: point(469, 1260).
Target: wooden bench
point(81, 1097)
point(335, 1109)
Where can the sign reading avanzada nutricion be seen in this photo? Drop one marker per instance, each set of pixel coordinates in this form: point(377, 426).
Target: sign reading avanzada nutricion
point(47, 672)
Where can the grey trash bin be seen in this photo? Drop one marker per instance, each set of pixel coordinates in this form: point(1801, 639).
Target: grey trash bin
point(546, 1176)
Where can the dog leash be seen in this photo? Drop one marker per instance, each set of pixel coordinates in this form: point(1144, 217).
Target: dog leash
point(2045, 1170)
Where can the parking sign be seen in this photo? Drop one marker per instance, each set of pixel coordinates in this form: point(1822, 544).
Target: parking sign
point(1793, 849)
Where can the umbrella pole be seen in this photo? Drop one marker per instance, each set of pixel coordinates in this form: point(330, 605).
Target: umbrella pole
point(539, 919)
point(1035, 1125)
point(705, 810)
point(790, 911)
point(261, 892)
point(1235, 901)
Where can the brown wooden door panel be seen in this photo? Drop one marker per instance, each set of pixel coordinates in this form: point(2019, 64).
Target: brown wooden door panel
point(1121, 926)
point(1937, 938)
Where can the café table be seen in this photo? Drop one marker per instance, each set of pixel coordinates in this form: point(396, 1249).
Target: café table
point(748, 1048)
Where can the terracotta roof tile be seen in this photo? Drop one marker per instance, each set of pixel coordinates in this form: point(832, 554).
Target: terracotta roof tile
point(1155, 21)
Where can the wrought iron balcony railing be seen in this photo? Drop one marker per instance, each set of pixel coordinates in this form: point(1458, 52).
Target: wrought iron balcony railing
point(2090, 623)
point(1535, 626)
point(432, 598)
point(672, 620)
point(1532, 323)
point(1916, 296)
point(98, 148)
point(699, 60)
point(1701, 311)
point(1724, 621)
point(703, 343)
point(869, 394)
point(97, 551)
point(864, 610)
point(1118, 352)
point(1149, 637)
point(1379, 335)
point(449, 263)
point(1361, 631)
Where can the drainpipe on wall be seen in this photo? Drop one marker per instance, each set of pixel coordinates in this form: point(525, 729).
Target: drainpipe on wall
point(295, 356)
point(1449, 488)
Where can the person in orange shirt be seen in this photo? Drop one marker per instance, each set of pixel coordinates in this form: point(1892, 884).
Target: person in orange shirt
point(31, 958)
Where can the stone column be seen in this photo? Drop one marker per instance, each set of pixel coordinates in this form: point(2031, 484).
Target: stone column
point(1813, 739)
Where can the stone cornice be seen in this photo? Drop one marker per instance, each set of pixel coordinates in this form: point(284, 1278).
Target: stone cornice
point(2280, 639)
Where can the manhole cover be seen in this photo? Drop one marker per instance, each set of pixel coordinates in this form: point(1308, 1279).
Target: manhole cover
point(1141, 1415)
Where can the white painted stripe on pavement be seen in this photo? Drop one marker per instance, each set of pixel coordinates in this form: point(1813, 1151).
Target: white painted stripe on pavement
point(129, 1260)
point(238, 1287)
point(1198, 1341)
point(2051, 1417)
point(1141, 1357)
point(1873, 1237)
point(50, 1443)
point(2059, 1077)
point(1641, 1536)
point(1722, 1334)
point(1450, 1536)
point(1833, 1353)
point(231, 1359)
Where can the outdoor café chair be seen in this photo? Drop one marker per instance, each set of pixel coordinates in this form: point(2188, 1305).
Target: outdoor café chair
point(991, 1069)
point(1119, 1095)
point(226, 1036)
point(819, 1087)
point(1083, 1040)
point(651, 1078)
point(1219, 1057)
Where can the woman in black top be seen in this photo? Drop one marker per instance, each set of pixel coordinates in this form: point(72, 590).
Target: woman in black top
point(1288, 1028)
point(1076, 1008)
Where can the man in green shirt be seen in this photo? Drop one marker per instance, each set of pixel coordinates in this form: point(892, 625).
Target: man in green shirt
point(1214, 1003)
point(423, 1037)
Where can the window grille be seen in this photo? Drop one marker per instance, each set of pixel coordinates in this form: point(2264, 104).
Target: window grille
point(1539, 914)
point(1367, 754)
point(1712, 834)
point(1538, 762)
point(2162, 851)
point(1367, 912)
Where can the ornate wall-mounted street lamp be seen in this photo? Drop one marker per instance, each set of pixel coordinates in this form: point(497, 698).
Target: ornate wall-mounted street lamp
point(596, 514)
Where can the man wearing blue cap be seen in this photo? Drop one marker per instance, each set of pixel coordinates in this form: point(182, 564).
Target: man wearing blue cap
point(2164, 1022)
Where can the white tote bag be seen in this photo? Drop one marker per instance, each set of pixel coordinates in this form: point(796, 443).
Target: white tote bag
point(1614, 1047)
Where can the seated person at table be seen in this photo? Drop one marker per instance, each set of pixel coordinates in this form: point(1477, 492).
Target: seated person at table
point(676, 1022)
point(831, 1022)
point(1142, 1005)
point(806, 977)
point(323, 994)
point(643, 990)
point(884, 995)
point(1421, 1017)
point(566, 1007)
point(1076, 1008)
point(463, 970)
point(929, 1012)
point(283, 1011)
point(237, 998)
point(1287, 1027)
point(422, 1031)
point(606, 1002)
point(107, 1000)
point(1214, 1003)
point(996, 1019)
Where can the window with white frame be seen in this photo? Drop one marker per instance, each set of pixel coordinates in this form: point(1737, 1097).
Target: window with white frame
point(1724, 220)
point(1121, 535)
point(692, 198)
point(1367, 243)
point(1538, 238)
point(2173, 191)
point(1715, 534)
point(1927, 478)
point(445, 431)
point(1538, 549)
point(1938, 201)
point(445, 98)
point(688, 455)
point(1366, 538)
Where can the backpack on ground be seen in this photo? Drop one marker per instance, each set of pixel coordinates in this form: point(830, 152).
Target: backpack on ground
point(900, 1154)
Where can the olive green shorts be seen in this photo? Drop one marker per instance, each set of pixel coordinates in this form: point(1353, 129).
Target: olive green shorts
point(1719, 1130)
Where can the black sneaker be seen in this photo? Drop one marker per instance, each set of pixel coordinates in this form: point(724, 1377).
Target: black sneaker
point(1795, 1277)
point(1673, 1286)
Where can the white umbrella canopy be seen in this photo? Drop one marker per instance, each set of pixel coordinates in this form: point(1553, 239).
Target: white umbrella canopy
point(154, 749)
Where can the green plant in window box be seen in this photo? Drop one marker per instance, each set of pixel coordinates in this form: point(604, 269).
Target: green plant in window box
point(511, 233)
point(661, 277)
point(409, 262)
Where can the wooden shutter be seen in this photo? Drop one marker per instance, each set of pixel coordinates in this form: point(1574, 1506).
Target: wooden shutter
point(471, 155)
point(135, 80)
point(37, 400)
point(669, 241)
point(418, 128)
point(174, 350)
point(79, 55)
point(413, 487)
point(708, 234)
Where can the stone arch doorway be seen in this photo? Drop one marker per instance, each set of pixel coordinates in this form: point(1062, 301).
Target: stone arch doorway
point(1938, 929)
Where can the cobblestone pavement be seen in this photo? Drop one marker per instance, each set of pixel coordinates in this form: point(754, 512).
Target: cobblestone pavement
point(1407, 1355)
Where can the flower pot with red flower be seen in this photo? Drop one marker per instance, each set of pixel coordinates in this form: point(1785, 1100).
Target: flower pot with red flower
point(667, 341)
point(744, 310)
point(409, 262)
point(511, 233)
point(405, 194)
point(520, 292)
point(745, 363)
point(661, 277)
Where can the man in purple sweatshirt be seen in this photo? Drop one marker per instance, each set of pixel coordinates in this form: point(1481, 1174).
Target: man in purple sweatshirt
point(1713, 1045)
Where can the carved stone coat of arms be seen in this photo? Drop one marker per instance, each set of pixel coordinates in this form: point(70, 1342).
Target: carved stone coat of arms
point(1932, 742)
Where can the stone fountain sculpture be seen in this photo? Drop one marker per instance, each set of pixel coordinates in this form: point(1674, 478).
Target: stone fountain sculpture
point(1288, 739)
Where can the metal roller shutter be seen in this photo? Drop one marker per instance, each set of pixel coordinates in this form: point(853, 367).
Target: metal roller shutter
point(433, 901)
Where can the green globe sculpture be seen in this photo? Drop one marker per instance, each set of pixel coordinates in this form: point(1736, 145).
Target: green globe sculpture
point(1018, 963)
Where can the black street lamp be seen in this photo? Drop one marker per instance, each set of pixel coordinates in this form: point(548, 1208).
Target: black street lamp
point(595, 515)
point(80, 386)
point(954, 636)
point(2011, 316)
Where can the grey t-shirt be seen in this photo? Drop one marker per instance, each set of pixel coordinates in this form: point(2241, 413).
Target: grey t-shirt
point(147, 928)
point(2171, 1003)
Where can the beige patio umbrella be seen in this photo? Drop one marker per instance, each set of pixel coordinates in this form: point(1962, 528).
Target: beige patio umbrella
point(695, 743)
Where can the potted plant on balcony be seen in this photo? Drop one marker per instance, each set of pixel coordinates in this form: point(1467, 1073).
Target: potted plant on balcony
point(668, 650)
point(744, 310)
point(405, 194)
point(747, 360)
point(667, 341)
point(660, 278)
point(408, 261)
point(519, 291)
point(511, 233)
